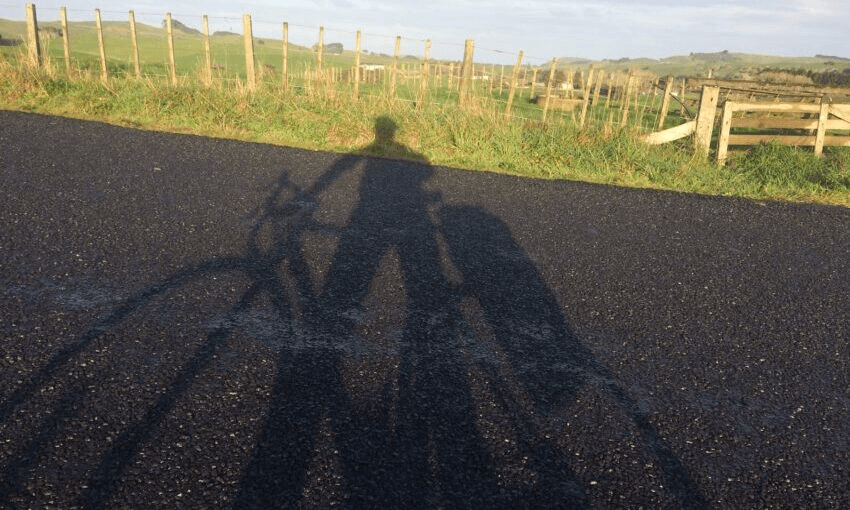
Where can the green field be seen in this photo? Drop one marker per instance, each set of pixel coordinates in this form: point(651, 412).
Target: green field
point(228, 53)
point(325, 115)
point(228, 60)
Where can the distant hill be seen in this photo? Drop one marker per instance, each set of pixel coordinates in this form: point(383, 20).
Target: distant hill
point(181, 27)
point(572, 61)
point(722, 64)
point(719, 56)
point(831, 57)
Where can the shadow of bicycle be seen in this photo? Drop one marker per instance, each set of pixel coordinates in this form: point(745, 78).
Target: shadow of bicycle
point(421, 360)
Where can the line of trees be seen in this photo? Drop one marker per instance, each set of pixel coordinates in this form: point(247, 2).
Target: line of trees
point(331, 48)
point(182, 27)
point(833, 78)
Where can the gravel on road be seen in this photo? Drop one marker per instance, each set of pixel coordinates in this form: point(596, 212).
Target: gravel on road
point(201, 323)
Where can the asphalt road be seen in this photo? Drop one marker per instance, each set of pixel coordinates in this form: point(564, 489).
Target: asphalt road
point(199, 323)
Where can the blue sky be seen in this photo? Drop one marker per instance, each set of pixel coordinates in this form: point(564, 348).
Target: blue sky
point(542, 28)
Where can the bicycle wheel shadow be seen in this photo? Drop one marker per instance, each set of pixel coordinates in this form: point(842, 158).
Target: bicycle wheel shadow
point(472, 358)
point(536, 366)
point(422, 362)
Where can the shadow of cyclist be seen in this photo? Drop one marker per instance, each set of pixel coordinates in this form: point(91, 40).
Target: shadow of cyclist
point(406, 357)
point(414, 442)
point(436, 353)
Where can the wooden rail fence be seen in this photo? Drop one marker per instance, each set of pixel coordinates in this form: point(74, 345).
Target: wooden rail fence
point(822, 118)
point(701, 127)
point(830, 117)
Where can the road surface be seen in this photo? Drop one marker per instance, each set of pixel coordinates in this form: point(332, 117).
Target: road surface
point(200, 323)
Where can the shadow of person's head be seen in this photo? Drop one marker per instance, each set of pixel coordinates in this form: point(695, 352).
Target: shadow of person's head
point(385, 129)
point(386, 145)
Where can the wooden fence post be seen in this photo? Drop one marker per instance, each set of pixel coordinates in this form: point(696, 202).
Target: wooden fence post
point(705, 119)
point(626, 100)
point(533, 83)
point(394, 68)
point(466, 72)
point(357, 51)
point(250, 70)
point(33, 44)
point(514, 75)
point(549, 88)
point(600, 77)
point(104, 73)
point(613, 78)
point(641, 110)
point(490, 78)
point(665, 103)
point(725, 128)
point(66, 38)
point(501, 80)
point(320, 49)
point(821, 133)
point(423, 82)
point(636, 87)
point(169, 35)
point(207, 52)
point(588, 90)
point(284, 65)
point(134, 46)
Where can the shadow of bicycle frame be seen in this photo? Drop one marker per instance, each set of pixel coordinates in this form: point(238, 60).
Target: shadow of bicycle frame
point(469, 360)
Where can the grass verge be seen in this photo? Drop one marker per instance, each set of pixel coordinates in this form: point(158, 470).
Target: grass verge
point(475, 137)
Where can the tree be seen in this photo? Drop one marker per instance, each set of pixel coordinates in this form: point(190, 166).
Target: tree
point(176, 25)
point(332, 48)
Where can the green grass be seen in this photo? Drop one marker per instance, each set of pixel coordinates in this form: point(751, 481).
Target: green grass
point(778, 167)
point(229, 48)
point(327, 117)
point(227, 51)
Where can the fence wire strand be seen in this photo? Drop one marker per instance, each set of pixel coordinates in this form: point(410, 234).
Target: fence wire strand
point(489, 82)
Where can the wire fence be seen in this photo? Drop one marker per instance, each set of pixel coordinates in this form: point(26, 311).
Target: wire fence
point(256, 53)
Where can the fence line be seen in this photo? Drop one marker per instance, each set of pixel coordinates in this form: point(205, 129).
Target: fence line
point(587, 98)
point(819, 126)
point(830, 117)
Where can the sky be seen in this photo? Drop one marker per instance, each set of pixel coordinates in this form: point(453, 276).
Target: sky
point(543, 29)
